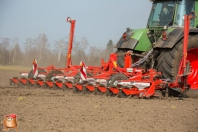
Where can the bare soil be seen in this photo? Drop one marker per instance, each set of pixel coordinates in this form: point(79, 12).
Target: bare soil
point(45, 110)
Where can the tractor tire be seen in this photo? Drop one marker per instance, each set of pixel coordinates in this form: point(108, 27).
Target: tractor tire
point(169, 60)
point(115, 77)
point(120, 57)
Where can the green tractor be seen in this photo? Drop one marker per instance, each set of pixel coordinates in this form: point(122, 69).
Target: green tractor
point(160, 43)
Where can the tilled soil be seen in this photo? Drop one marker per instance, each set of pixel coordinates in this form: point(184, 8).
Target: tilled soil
point(45, 110)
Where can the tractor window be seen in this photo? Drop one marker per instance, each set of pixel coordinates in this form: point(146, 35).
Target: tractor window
point(162, 13)
point(184, 8)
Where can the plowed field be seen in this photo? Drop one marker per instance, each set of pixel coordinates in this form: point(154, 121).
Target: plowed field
point(44, 110)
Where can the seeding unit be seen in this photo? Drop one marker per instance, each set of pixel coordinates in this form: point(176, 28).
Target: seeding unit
point(126, 74)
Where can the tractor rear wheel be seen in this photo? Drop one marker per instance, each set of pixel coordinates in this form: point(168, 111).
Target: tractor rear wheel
point(169, 60)
point(121, 55)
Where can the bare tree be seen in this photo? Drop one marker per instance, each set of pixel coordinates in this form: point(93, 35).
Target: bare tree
point(16, 53)
point(84, 45)
point(60, 46)
point(29, 45)
point(109, 49)
point(95, 55)
point(4, 53)
point(79, 49)
point(42, 46)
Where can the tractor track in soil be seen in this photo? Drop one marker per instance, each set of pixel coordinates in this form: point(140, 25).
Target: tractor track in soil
point(45, 110)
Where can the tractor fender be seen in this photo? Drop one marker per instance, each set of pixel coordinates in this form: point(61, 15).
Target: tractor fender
point(129, 44)
point(174, 36)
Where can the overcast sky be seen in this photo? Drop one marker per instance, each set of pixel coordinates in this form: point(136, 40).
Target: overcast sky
point(97, 20)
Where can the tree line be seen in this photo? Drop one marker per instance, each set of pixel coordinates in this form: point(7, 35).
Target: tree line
point(51, 54)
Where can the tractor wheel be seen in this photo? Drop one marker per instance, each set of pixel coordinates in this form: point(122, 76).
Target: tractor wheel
point(121, 55)
point(169, 60)
point(114, 78)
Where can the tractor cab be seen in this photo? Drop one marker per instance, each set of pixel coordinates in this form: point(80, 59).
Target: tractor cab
point(170, 13)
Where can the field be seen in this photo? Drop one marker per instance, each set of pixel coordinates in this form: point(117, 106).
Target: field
point(44, 110)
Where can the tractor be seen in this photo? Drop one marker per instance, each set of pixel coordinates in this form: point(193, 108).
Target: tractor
point(160, 44)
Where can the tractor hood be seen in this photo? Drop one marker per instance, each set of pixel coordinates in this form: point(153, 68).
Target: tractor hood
point(135, 39)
